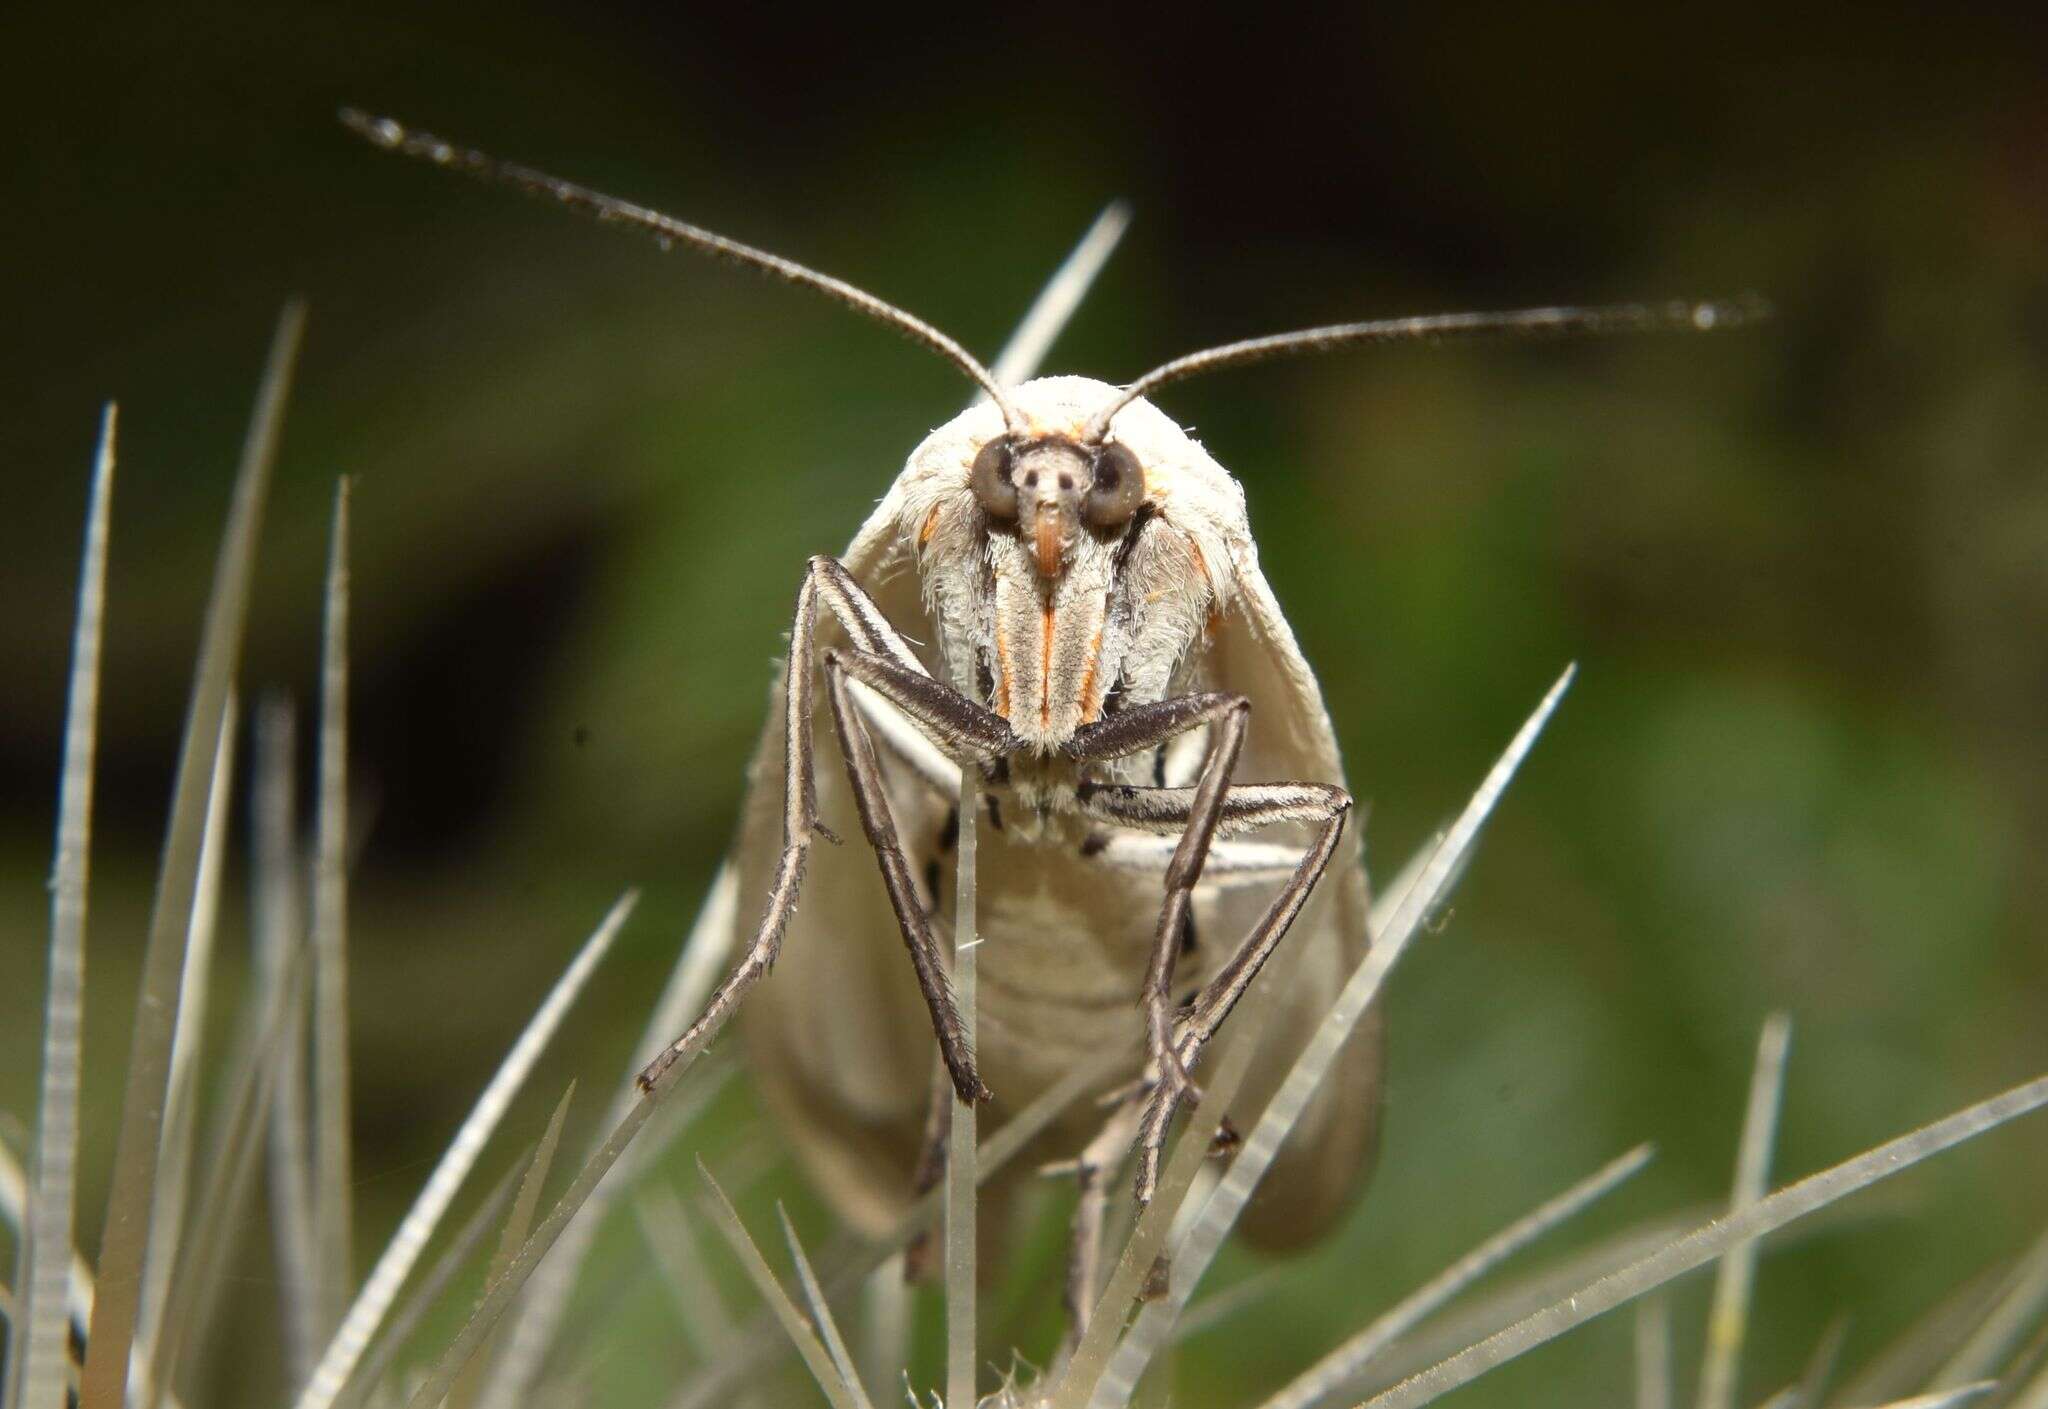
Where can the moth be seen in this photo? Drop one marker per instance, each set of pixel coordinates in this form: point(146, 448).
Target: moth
point(1061, 593)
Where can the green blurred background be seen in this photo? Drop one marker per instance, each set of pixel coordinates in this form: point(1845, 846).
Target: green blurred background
point(1804, 569)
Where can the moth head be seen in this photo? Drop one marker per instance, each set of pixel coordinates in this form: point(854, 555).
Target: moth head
point(1050, 489)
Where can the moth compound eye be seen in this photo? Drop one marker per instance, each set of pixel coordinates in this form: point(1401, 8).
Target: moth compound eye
point(1117, 490)
point(990, 479)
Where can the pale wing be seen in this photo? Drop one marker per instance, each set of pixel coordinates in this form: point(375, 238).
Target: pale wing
point(1326, 1160)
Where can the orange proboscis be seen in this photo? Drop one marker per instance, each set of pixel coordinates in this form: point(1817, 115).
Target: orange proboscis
point(1045, 663)
point(929, 527)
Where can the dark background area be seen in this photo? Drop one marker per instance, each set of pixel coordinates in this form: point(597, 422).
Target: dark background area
point(1802, 568)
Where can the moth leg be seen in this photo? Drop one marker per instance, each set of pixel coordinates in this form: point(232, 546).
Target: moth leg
point(1131, 732)
point(872, 801)
point(1244, 806)
point(931, 1165)
point(1232, 865)
point(1094, 1171)
point(826, 581)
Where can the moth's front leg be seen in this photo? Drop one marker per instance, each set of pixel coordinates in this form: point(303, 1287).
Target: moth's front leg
point(884, 659)
point(1243, 807)
point(871, 798)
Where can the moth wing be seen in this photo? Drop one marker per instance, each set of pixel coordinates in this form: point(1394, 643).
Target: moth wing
point(838, 1040)
point(1326, 1159)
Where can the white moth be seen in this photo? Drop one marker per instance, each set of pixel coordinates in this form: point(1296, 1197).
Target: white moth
point(1061, 592)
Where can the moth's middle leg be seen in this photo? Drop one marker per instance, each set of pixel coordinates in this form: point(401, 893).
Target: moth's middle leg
point(1237, 808)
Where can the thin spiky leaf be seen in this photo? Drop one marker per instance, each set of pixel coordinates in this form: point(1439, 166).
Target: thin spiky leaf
point(232, 1150)
point(1653, 1353)
point(1343, 1364)
point(1728, 1319)
point(816, 1359)
point(426, 1292)
point(1410, 911)
point(2020, 1306)
point(1912, 1357)
point(517, 1223)
point(756, 1346)
point(39, 1350)
point(1057, 302)
point(276, 933)
point(1704, 1244)
point(821, 1311)
point(124, 1236)
point(707, 1321)
point(1945, 1398)
point(700, 961)
point(166, 1230)
point(332, 1185)
point(962, 1180)
point(381, 1288)
point(1805, 1392)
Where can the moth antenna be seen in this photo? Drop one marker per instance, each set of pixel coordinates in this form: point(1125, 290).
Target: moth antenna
point(1675, 316)
point(667, 230)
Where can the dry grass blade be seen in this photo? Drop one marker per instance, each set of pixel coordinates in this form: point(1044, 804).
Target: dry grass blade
point(332, 1197)
point(124, 1237)
point(381, 1288)
point(276, 932)
point(1993, 1341)
point(1806, 1391)
point(961, 1177)
point(1410, 912)
point(13, 1212)
point(400, 1325)
point(1653, 1353)
point(1913, 1356)
point(198, 1281)
point(1728, 1321)
point(1704, 1244)
point(707, 1320)
point(1945, 1398)
point(716, 1385)
point(815, 1356)
point(702, 959)
point(1056, 302)
point(2034, 1396)
point(1342, 1365)
point(39, 1354)
point(517, 1223)
point(166, 1226)
point(821, 1311)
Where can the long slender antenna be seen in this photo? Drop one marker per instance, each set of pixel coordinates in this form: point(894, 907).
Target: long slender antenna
point(1676, 316)
point(667, 231)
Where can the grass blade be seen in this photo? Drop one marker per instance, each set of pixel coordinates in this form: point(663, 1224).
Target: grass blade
point(816, 1358)
point(125, 1234)
point(707, 1320)
point(821, 1312)
point(1728, 1321)
point(1653, 1353)
point(166, 1228)
point(1056, 302)
point(1912, 1357)
point(1704, 1244)
point(332, 1196)
point(699, 964)
point(381, 1289)
point(961, 1180)
point(755, 1349)
point(277, 935)
point(38, 1361)
point(400, 1325)
point(1420, 900)
point(1945, 1398)
point(514, 1233)
point(1989, 1346)
point(197, 1283)
point(1343, 1364)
